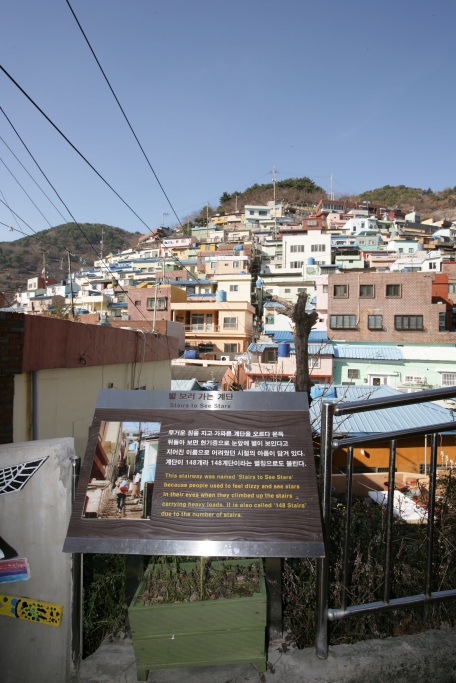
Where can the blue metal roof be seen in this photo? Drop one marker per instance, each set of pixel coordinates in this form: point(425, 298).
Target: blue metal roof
point(185, 385)
point(377, 421)
point(272, 304)
point(284, 336)
point(368, 352)
point(324, 349)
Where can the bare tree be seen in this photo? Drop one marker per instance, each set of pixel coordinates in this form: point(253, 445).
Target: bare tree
point(304, 322)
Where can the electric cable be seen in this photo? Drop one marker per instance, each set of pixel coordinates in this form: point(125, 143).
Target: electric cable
point(25, 191)
point(28, 173)
point(71, 145)
point(123, 112)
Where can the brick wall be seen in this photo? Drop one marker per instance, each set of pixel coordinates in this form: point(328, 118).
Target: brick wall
point(415, 299)
point(137, 303)
point(11, 353)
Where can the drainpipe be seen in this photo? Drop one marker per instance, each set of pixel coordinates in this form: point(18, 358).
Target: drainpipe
point(34, 405)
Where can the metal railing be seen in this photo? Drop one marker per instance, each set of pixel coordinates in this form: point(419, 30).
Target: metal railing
point(328, 444)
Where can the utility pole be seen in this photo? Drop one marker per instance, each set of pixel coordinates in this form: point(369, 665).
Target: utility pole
point(274, 180)
point(331, 192)
point(71, 284)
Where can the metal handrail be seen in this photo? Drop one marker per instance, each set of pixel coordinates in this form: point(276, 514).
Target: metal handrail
point(329, 410)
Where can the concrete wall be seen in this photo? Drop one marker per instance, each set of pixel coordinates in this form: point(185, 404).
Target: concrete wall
point(67, 397)
point(34, 523)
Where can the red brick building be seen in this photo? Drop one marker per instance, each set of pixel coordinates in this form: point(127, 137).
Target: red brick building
point(390, 307)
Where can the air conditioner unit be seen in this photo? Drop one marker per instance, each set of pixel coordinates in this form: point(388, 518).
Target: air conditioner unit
point(224, 358)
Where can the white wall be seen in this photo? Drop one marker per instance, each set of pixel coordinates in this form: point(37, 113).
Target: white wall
point(67, 397)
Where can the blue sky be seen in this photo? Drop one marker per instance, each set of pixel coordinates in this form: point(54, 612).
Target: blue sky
point(218, 93)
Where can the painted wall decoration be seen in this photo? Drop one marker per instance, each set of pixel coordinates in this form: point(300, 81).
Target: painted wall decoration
point(6, 551)
point(31, 610)
point(14, 478)
point(14, 570)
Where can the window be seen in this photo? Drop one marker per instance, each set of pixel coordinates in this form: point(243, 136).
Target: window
point(137, 303)
point(393, 290)
point(234, 288)
point(341, 290)
point(302, 289)
point(251, 213)
point(230, 348)
point(230, 323)
point(400, 250)
point(343, 322)
point(412, 379)
point(178, 279)
point(295, 264)
point(325, 289)
point(161, 303)
point(452, 288)
point(371, 241)
point(311, 223)
point(432, 265)
point(314, 363)
point(318, 247)
point(411, 250)
point(270, 355)
point(236, 264)
point(408, 322)
point(296, 248)
point(205, 348)
point(263, 213)
point(352, 373)
point(366, 291)
point(375, 322)
point(214, 264)
point(442, 322)
point(448, 379)
point(360, 241)
point(287, 291)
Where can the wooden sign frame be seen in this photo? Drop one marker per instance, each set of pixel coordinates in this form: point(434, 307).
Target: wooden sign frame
point(235, 476)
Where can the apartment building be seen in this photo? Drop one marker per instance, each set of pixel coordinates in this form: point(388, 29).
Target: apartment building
point(390, 307)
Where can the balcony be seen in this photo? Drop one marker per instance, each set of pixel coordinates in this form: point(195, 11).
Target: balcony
point(200, 327)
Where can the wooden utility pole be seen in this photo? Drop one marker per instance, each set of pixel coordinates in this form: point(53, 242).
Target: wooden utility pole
point(303, 325)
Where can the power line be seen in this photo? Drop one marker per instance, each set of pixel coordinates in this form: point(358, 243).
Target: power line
point(23, 189)
point(29, 174)
point(71, 145)
point(123, 112)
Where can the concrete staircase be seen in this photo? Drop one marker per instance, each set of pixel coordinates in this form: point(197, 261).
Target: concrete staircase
point(132, 508)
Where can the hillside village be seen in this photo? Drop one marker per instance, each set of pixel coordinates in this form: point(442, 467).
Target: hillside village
point(382, 283)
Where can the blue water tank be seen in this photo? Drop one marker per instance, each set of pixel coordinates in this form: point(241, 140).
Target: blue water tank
point(322, 390)
point(220, 295)
point(283, 350)
point(239, 247)
point(311, 261)
point(191, 353)
point(259, 283)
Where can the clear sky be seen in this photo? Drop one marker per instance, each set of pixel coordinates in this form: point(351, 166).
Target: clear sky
point(218, 93)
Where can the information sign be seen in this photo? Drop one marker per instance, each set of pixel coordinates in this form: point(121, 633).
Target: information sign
point(198, 473)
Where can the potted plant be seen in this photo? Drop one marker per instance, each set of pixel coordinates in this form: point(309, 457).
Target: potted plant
point(199, 614)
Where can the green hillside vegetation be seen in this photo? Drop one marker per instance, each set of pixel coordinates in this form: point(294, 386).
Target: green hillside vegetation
point(427, 201)
point(291, 191)
point(23, 258)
